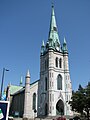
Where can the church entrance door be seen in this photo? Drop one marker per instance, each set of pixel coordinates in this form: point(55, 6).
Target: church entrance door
point(60, 108)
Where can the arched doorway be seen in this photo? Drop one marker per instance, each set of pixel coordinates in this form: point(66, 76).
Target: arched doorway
point(46, 109)
point(60, 108)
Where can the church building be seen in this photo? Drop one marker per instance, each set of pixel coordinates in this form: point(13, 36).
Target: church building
point(50, 95)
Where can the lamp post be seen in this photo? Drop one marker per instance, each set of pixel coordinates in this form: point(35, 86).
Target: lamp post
point(2, 82)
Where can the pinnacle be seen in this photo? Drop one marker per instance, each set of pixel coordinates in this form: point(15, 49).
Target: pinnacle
point(28, 73)
point(64, 40)
point(21, 80)
point(43, 44)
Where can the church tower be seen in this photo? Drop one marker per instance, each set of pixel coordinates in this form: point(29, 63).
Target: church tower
point(55, 89)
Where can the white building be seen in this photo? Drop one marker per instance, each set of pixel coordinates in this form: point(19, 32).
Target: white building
point(50, 95)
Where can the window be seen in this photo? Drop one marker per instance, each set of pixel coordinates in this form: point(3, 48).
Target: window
point(50, 97)
point(45, 64)
point(40, 99)
point(34, 101)
point(60, 63)
point(53, 97)
point(67, 98)
point(46, 84)
point(50, 74)
point(56, 61)
point(59, 82)
point(54, 28)
point(50, 83)
point(50, 109)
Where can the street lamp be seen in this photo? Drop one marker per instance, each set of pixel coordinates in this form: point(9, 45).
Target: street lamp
point(4, 69)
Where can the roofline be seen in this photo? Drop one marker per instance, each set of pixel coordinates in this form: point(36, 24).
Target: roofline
point(23, 88)
point(35, 82)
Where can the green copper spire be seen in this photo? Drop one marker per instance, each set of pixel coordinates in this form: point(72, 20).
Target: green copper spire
point(65, 46)
point(53, 37)
point(21, 81)
point(42, 48)
point(43, 44)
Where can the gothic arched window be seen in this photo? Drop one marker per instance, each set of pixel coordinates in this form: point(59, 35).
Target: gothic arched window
point(59, 82)
point(46, 84)
point(45, 64)
point(34, 101)
point(60, 63)
point(56, 62)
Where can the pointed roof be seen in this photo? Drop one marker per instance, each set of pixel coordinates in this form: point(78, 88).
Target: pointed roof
point(65, 40)
point(53, 37)
point(53, 33)
point(42, 48)
point(28, 74)
point(14, 89)
point(65, 45)
point(21, 81)
point(53, 20)
point(43, 44)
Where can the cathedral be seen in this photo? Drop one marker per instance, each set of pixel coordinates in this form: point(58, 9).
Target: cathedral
point(50, 95)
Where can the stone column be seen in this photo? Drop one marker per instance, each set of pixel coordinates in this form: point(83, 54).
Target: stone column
point(27, 106)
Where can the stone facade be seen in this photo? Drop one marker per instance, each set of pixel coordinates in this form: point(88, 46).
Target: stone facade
point(17, 101)
point(50, 95)
point(55, 89)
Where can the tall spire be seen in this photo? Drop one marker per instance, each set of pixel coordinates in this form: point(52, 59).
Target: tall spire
point(53, 37)
point(53, 21)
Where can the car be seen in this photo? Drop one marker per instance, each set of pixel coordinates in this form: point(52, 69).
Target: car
point(70, 118)
point(61, 118)
point(76, 118)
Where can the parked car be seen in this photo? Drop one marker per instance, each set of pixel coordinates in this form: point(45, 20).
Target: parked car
point(76, 118)
point(61, 118)
point(70, 118)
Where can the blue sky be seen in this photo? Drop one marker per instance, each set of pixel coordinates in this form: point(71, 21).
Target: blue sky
point(25, 23)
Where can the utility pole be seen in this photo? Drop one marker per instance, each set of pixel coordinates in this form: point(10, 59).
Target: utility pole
point(2, 82)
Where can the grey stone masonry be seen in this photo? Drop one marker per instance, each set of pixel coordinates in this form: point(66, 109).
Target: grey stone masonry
point(27, 105)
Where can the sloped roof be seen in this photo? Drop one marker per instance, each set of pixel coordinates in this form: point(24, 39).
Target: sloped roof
point(14, 88)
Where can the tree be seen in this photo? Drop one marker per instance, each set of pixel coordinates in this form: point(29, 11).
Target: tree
point(81, 100)
point(87, 99)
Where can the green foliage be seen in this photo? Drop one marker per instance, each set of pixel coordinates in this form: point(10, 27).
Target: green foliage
point(81, 100)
